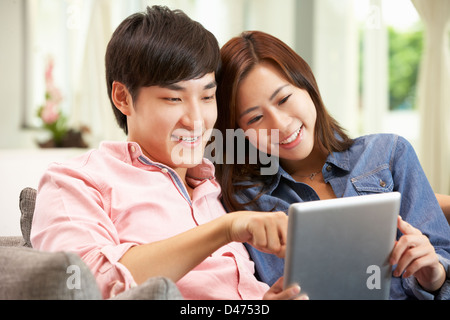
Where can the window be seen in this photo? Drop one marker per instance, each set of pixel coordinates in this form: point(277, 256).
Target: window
point(389, 75)
point(405, 42)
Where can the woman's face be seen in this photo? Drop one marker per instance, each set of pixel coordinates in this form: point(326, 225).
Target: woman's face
point(278, 117)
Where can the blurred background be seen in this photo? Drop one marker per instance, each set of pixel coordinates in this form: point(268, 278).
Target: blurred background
point(381, 66)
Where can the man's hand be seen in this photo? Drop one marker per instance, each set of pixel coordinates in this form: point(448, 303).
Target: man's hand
point(266, 231)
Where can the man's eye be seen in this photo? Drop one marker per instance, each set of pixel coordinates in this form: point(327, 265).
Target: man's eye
point(172, 99)
point(209, 98)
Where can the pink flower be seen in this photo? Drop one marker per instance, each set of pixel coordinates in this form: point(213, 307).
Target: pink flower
point(49, 72)
point(54, 94)
point(50, 113)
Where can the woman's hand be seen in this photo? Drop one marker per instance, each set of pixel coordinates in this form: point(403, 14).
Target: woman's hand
point(276, 292)
point(414, 255)
point(266, 231)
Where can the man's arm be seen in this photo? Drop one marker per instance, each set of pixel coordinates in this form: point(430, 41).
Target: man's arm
point(265, 231)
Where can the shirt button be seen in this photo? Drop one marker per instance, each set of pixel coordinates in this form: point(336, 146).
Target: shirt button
point(164, 170)
point(329, 168)
point(382, 184)
point(133, 149)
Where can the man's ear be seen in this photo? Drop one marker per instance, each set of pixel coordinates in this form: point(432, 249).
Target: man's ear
point(122, 98)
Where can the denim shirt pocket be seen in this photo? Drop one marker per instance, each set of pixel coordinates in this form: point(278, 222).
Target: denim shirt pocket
point(378, 180)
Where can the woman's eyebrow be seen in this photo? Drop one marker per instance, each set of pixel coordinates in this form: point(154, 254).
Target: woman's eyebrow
point(248, 111)
point(274, 94)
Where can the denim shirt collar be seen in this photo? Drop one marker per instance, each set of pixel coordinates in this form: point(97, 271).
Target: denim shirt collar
point(340, 160)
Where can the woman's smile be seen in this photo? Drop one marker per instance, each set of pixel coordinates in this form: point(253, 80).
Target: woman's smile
point(293, 140)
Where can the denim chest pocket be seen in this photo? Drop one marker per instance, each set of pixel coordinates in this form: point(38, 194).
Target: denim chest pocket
point(377, 181)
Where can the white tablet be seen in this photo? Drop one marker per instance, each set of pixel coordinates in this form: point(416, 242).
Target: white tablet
point(340, 248)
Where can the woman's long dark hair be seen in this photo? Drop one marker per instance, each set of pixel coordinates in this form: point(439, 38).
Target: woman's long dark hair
point(239, 56)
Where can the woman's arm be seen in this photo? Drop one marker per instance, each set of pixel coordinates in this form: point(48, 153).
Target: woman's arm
point(267, 232)
point(444, 203)
point(422, 211)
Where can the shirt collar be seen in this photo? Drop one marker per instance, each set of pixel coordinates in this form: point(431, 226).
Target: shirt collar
point(340, 160)
point(337, 159)
point(131, 152)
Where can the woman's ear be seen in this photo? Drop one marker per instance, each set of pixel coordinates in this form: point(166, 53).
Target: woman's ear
point(122, 98)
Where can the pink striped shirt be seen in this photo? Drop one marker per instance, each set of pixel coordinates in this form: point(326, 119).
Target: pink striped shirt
point(103, 203)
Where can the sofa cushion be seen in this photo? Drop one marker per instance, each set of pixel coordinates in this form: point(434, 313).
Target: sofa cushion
point(27, 201)
point(28, 274)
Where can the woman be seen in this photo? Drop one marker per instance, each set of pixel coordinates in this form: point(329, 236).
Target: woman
point(264, 86)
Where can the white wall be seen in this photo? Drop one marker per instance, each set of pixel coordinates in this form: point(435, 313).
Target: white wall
point(11, 76)
point(21, 168)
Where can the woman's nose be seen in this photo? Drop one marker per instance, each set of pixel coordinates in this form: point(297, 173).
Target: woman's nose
point(277, 119)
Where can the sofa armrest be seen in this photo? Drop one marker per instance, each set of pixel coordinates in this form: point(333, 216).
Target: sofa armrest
point(28, 274)
point(11, 241)
point(158, 288)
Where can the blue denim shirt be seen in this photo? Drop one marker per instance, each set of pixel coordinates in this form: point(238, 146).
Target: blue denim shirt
point(373, 164)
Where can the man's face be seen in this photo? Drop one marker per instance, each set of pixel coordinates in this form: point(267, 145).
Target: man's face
point(172, 124)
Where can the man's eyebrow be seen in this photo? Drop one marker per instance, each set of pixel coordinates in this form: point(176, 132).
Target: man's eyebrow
point(211, 85)
point(174, 87)
point(177, 87)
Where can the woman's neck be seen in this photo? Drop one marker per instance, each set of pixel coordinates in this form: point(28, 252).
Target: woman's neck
point(310, 165)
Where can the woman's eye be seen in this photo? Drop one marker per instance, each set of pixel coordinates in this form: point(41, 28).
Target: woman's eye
point(284, 100)
point(253, 120)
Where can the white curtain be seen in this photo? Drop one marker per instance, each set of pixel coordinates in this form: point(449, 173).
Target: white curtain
point(434, 93)
point(91, 106)
point(375, 71)
point(335, 60)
